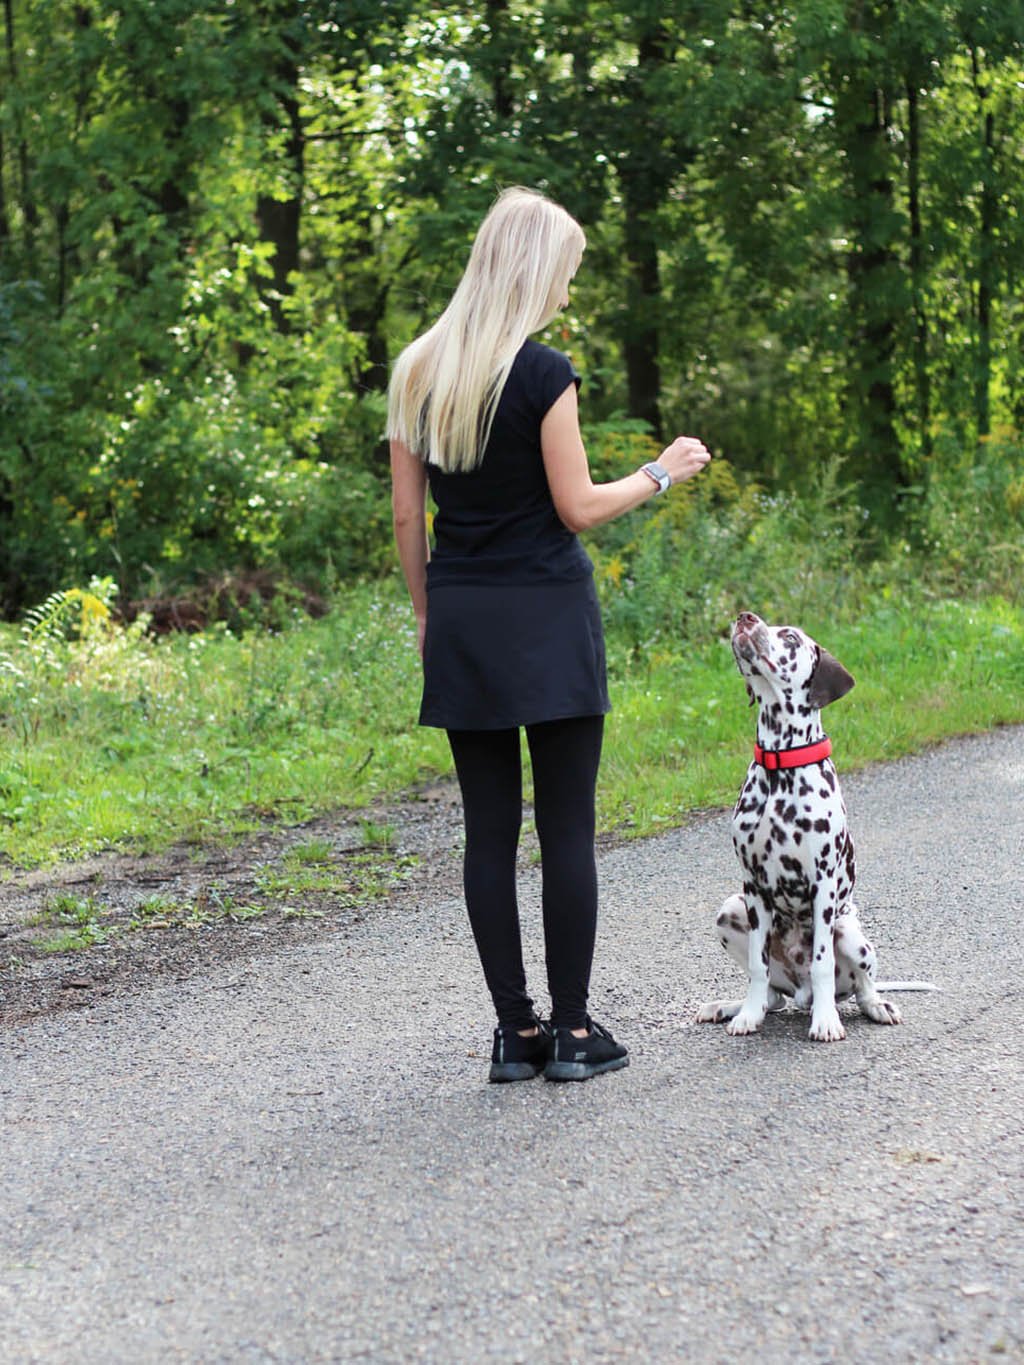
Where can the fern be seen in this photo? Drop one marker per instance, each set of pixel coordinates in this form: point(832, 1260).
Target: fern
point(71, 613)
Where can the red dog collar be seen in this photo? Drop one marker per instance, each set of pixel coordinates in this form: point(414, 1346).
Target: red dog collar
point(793, 758)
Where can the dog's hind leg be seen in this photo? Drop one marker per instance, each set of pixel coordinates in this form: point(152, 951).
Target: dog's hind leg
point(718, 1011)
point(731, 930)
point(855, 970)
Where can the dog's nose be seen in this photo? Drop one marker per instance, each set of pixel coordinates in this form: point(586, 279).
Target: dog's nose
point(746, 620)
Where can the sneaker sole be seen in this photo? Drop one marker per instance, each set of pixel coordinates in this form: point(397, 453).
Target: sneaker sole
point(582, 1071)
point(513, 1071)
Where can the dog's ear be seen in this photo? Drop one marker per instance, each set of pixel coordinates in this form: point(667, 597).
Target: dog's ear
point(830, 680)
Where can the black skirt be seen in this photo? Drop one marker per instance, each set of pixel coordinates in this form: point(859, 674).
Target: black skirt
point(497, 657)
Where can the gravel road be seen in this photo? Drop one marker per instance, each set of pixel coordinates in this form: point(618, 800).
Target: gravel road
point(295, 1157)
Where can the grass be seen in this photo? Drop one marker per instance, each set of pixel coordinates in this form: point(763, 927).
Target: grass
point(681, 734)
point(313, 868)
point(119, 741)
point(80, 916)
point(113, 743)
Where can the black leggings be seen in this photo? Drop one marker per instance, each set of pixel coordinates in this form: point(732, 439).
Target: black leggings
point(564, 755)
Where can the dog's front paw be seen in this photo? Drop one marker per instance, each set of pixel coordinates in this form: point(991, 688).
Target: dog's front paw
point(718, 1011)
point(745, 1022)
point(881, 1011)
point(827, 1027)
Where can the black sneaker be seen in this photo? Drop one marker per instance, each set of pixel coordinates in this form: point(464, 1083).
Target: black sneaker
point(514, 1058)
point(577, 1059)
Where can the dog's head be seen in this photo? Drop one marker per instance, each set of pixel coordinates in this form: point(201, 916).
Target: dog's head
point(782, 663)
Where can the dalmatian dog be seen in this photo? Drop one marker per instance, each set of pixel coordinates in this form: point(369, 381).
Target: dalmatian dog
point(794, 929)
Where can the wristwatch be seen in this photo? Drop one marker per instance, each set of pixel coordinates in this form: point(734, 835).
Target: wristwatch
point(659, 474)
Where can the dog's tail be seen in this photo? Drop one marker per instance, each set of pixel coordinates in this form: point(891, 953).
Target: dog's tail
point(906, 986)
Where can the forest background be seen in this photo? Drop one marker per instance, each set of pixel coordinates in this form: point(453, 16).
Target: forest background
point(219, 223)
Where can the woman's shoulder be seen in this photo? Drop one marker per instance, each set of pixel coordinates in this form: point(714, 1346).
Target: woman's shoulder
point(539, 376)
point(543, 373)
point(535, 355)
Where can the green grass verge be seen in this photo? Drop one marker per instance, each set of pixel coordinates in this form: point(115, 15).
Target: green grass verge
point(120, 741)
point(681, 734)
point(111, 742)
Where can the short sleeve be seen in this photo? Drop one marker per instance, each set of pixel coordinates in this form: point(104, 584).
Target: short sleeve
point(555, 372)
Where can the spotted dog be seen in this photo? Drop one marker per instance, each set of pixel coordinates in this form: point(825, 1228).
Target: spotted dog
point(795, 928)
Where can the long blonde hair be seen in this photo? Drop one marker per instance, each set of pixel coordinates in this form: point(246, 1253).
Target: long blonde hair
point(446, 385)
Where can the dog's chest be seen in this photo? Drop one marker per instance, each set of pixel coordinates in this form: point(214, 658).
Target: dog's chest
point(790, 833)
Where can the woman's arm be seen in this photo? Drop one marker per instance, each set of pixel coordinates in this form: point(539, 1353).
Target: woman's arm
point(579, 501)
point(409, 515)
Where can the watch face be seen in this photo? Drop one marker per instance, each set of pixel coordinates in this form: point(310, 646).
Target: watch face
point(658, 474)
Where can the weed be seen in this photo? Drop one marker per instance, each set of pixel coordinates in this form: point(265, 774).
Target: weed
point(296, 881)
point(374, 875)
point(80, 915)
point(212, 905)
point(313, 851)
point(377, 835)
point(157, 912)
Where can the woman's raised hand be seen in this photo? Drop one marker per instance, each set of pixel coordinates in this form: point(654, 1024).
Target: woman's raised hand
point(685, 457)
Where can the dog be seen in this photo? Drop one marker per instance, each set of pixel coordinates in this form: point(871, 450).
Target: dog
point(795, 928)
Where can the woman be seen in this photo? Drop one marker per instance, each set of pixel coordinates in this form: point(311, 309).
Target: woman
point(509, 625)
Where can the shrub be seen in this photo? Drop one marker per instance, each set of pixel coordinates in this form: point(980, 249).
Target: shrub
point(967, 515)
point(719, 545)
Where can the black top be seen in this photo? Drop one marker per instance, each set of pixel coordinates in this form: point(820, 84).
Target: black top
point(497, 523)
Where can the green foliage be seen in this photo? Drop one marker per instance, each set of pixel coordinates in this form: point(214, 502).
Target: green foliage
point(350, 881)
point(220, 222)
point(719, 545)
point(969, 514)
point(77, 613)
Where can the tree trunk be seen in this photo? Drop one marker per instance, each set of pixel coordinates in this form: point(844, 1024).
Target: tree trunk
point(986, 291)
point(280, 220)
point(62, 217)
point(5, 222)
point(29, 212)
point(366, 303)
point(876, 288)
point(645, 175)
point(171, 196)
point(499, 61)
point(922, 379)
point(987, 215)
point(641, 333)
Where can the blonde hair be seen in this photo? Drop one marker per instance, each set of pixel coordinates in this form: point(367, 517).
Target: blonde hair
point(446, 385)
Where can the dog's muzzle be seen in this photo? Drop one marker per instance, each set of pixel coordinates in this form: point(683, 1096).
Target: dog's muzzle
point(750, 639)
